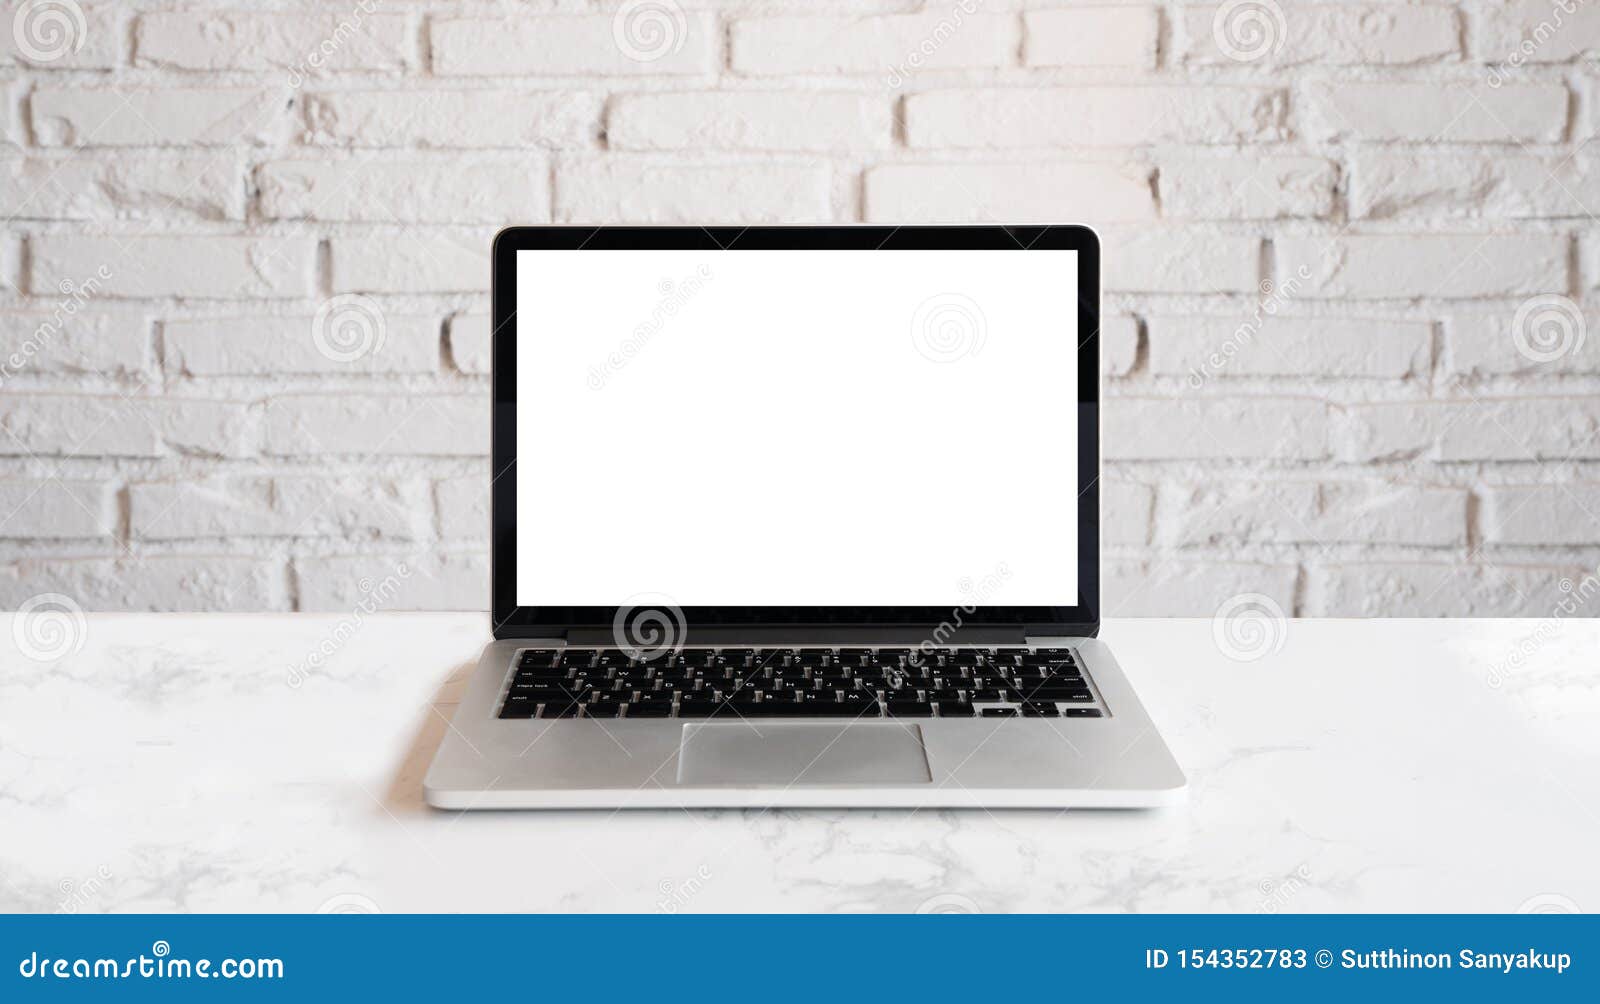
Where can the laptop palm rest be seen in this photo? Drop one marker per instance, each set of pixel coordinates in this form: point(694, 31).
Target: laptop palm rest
point(802, 754)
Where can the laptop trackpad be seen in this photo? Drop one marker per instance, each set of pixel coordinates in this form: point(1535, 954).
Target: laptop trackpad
point(802, 754)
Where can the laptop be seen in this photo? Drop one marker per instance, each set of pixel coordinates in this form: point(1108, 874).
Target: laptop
point(797, 516)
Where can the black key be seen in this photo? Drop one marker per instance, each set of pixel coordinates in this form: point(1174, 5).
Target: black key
point(854, 656)
point(810, 657)
point(839, 709)
point(955, 709)
point(607, 710)
point(1035, 710)
point(559, 709)
point(910, 709)
point(989, 694)
point(1054, 652)
point(697, 709)
point(518, 706)
point(1082, 712)
point(1057, 693)
point(962, 657)
point(999, 712)
point(572, 658)
point(890, 656)
point(649, 709)
point(538, 657)
point(734, 656)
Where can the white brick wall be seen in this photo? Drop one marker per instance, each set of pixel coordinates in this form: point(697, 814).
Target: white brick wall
point(1352, 336)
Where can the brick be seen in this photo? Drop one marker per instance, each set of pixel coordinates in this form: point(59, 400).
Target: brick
point(160, 116)
point(411, 191)
point(438, 118)
point(1145, 428)
point(1501, 185)
point(463, 508)
point(1434, 112)
point(1547, 515)
point(648, 44)
point(1178, 260)
point(72, 338)
point(1536, 31)
point(1091, 36)
point(1119, 344)
point(115, 426)
point(151, 582)
point(1325, 34)
point(388, 425)
point(893, 47)
point(1526, 429)
point(344, 507)
point(190, 266)
point(427, 581)
point(750, 120)
point(1125, 512)
point(1552, 336)
point(142, 188)
point(1264, 512)
point(626, 191)
point(1400, 589)
point(1247, 188)
point(470, 343)
point(1378, 266)
point(962, 193)
point(267, 346)
point(413, 261)
point(1093, 116)
point(1165, 587)
point(57, 510)
point(40, 38)
point(1271, 344)
point(307, 44)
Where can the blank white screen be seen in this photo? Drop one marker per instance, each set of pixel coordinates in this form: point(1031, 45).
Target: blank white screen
point(797, 428)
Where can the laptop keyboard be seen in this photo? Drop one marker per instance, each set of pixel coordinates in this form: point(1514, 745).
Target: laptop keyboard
point(736, 683)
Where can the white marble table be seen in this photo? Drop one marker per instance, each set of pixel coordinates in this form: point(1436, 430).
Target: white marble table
point(167, 764)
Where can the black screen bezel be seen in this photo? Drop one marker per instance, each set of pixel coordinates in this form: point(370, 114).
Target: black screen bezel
point(512, 621)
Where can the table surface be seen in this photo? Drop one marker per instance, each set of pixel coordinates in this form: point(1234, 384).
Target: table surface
point(168, 765)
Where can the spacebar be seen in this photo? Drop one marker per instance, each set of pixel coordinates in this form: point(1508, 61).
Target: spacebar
point(789, 709)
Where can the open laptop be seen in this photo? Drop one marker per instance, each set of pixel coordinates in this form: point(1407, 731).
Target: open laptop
point(797, 516)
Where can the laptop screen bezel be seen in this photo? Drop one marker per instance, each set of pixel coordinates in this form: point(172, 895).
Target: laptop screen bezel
point(513, 621)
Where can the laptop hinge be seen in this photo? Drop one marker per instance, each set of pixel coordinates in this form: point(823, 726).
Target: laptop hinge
point(909, 637)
